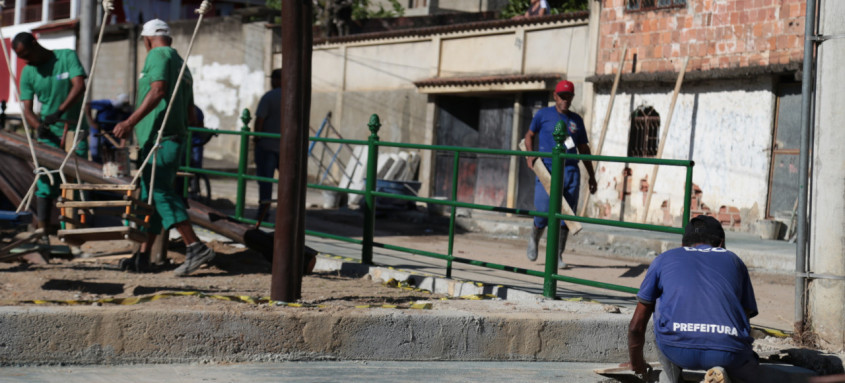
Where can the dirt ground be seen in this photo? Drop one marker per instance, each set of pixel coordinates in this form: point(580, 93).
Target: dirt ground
point(235, 272)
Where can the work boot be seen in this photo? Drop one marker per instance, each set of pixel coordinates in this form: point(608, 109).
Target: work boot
point(561, 245)
point(716, 375)
point(533, 243)
point(138, 263)
point(197, 255)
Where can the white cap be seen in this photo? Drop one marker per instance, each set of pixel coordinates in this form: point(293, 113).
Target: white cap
point(121, 99)
point(155, 27)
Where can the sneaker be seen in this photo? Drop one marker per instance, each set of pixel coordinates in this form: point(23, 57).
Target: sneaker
point(197, 255)
point(716, 375)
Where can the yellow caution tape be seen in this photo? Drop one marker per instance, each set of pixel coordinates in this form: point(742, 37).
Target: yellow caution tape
point(771, 331)
point(151, 298)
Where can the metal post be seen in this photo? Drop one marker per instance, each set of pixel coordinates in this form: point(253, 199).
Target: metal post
point(289, 239)
point(455, 164)
point(807, 84)
point(370, 200)
point(555, 194)
point(687, 197)
point(242, 162)
point(87, 18)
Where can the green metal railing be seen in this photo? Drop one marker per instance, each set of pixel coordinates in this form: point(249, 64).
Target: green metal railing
point(558, 155)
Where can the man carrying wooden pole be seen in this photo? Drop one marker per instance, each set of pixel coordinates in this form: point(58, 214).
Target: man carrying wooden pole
point(289, 241)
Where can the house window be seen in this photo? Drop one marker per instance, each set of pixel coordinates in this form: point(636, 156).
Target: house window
point(645, 5)
point(642, 138)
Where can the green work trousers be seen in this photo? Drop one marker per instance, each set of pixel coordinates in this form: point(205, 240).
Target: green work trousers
point(169, 206)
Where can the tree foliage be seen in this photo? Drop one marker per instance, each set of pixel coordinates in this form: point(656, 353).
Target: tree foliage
point(360, 8)
point(518, 7)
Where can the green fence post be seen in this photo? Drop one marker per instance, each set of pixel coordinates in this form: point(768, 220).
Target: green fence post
point(370, 200)
point(242, 162)
point(453, 198)
point(687, 196)
point(549, 283)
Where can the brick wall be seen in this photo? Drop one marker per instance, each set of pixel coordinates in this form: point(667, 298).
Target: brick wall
point(716, 34)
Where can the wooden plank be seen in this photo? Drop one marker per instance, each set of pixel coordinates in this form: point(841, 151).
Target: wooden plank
point(135, 220)
point(665, 133)
point(101, 234)
point(86, 204)
point(71, 221)
point(98, 187)
point(140, 204)
point(604, 126)
point(546, 179)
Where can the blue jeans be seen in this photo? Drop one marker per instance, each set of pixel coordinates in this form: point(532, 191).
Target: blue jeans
point(266, 162)
point(740, 365)
point(571, 187)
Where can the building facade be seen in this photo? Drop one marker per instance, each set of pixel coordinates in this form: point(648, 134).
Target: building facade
point(736, 115)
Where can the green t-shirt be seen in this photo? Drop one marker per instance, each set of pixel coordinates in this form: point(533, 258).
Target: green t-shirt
point(50, 81)
point(163, 64)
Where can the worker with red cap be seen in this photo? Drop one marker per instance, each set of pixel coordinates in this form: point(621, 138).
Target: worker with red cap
point(540, 134)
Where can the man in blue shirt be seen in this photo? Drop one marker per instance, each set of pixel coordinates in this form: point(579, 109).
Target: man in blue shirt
point(109, 113)
point(701, 297)
point(268, 119)
point(540, 130)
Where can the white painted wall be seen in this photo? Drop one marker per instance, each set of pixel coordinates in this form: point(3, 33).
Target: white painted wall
point(732, 121)
point(224, 90)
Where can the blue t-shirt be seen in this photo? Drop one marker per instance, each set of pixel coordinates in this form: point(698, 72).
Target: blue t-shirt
point(543, 125)
point(702, 294)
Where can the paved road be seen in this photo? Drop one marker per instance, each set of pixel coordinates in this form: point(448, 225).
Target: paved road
point(371, 372)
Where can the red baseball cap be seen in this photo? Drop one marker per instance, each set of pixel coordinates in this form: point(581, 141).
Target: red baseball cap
point(565, 87)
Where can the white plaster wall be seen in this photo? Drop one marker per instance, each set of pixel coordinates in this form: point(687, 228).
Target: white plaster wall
point(224, 90)
point(732, 123)
point(326, 70)
point(388, 66)
point(550, 51)
point(481, 55)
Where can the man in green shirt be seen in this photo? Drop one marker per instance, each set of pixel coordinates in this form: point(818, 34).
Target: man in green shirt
point(58, 80)
point(156, 87)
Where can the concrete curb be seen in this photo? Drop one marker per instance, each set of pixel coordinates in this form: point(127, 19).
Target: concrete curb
point(450, 287)
point(525, 327)
point(115, 335)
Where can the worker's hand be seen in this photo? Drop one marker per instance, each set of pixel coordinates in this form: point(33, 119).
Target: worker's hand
point(530, 161)
point(42, 131)
point(639, 367)
point(52, 118)
point(122, 130)
point(593, 185)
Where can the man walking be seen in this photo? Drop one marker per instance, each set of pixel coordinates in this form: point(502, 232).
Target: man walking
point(156, 87)
point(268, 119)
point(58, 80)
point(540, 130)
point(702, 299)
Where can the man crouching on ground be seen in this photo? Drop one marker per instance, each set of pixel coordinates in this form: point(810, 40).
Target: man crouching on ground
point(702, 299)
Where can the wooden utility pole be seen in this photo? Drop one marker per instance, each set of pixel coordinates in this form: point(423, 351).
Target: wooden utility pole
point(663, 137)
point(607, 114)
point(289, 240)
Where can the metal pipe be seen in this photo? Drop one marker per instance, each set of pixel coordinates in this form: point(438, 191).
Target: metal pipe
point(286, 282)
point(807, 85)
